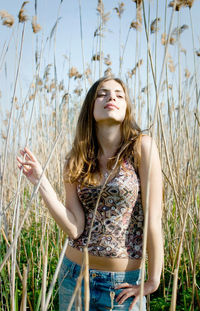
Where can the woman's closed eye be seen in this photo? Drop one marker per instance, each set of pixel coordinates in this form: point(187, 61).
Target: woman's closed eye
point(105, 94)
point(101, 95)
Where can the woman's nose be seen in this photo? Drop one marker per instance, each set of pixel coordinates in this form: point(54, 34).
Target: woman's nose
point(112, 95)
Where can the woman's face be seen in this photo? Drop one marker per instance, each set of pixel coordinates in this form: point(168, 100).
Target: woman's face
point(110, 104)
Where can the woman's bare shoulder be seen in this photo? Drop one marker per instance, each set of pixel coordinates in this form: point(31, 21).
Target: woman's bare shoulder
point(146, 143)
point(146, 140)
point(149, 151)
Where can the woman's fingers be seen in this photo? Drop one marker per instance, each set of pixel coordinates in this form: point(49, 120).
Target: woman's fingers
point(24, 169)
point(129, 291)
point(19, 160)
point(123, 285)
point(29, 163)
point(133, 303)
point(126, 293)
point(134, 291)
point(30, 154)
point(19, 166)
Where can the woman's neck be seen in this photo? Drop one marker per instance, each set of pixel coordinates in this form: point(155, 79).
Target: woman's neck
point(109, 138)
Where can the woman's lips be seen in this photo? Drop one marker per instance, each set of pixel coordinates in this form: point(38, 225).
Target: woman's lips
point(110, 106)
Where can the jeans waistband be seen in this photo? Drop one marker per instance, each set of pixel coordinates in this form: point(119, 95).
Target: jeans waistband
point(117, 276)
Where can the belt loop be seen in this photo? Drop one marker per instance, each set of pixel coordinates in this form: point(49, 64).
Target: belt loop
point(113, 279)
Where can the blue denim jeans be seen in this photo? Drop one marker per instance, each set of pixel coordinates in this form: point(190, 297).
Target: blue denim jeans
point(102, 288)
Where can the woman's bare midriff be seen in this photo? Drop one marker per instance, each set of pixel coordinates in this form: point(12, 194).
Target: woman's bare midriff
point(104, 263)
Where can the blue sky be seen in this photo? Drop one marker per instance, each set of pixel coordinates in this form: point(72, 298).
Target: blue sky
point(68, 40)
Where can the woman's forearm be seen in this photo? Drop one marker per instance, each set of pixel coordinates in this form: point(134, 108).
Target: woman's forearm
point(155, 253)
point(63, 217)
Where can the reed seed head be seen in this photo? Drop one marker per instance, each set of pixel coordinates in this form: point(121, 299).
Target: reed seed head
point(155, 25)
point(172, 40)
point(96, 57)
point(65, 97)
point(22, 16)
point(35, 26)
point(178, 4)
point(163, 38)
point(74, 73)
point(97, 32)
point(107, 60)
point(3, 135)
point(7, 19)
point(39, 82)
point(184, 51)
point(198, 53)
point(88, 72)
point(135, 25)
point(133, 71)
point(61, 86)
point(138, 2)
point(105, 18)
point(100, 9)
point(187, 73)
point(139, 14)
point(120, 9)
point(78, 91)
point(171, 64)
point(108, 72)
point(47, 72)
point(52, 86)
point(179, 30)
point(144, 90)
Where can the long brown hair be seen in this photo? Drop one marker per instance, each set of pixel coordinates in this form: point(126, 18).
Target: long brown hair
point(81, 162)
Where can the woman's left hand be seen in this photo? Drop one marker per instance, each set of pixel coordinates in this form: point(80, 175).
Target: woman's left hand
point(134, 290)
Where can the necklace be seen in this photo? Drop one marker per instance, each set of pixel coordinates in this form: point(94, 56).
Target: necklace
point(106, 174)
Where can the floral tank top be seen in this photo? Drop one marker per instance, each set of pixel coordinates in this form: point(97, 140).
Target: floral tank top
point(118, 226)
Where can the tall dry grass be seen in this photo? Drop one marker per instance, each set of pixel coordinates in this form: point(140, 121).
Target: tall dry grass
point(44, 119)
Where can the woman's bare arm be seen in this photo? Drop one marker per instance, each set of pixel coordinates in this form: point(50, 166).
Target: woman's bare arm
point(69, 217)
point(154, 233)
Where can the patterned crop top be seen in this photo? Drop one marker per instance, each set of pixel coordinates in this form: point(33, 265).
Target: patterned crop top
point(118, 226)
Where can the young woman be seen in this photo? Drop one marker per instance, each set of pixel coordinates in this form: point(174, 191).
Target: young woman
point(107, 142)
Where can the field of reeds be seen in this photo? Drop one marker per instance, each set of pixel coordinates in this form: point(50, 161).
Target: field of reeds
point(162, 74)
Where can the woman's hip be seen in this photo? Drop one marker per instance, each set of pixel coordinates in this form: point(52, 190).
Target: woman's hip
point(102, 287)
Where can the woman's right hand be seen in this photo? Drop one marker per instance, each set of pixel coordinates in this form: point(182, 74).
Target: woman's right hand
point(30, 166)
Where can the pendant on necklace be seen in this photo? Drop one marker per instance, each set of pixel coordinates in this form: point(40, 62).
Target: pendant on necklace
point(105, 174)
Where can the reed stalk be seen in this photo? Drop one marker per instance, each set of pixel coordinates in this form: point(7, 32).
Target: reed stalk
point(86, 281)
point(44, 278)
point(5, 51)
point(150, 156)
point(49, 294)
point(24, 289)
point(179, 253)
point(82, 46)
point(9, 127)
